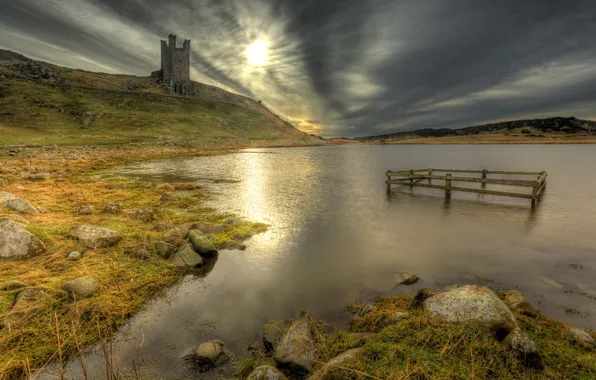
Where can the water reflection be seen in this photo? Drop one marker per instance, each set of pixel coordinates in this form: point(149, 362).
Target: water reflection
point(337, 237)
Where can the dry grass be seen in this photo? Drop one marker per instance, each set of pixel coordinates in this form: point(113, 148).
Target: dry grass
point(57, 328)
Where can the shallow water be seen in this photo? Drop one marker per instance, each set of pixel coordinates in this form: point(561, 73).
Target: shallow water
point(336, 236)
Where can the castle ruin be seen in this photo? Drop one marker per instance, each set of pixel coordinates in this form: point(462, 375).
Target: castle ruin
point(175, 67)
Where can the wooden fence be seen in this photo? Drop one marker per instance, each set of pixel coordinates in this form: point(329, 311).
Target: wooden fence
point(413, 178)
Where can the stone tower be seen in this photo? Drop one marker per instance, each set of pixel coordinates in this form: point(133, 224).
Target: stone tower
point(175, 61)
point(175, 67)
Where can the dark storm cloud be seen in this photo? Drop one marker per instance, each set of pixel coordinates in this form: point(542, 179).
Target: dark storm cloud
point(356, 67)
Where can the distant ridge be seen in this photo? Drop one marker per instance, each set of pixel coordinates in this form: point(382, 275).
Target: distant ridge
point(553, 124)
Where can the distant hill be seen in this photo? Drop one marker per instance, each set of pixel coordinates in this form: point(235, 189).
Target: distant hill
point(41, 103)
point(529, 126)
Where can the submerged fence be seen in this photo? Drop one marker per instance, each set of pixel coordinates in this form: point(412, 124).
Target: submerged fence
point(412, 178)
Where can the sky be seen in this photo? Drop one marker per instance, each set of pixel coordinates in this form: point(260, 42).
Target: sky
point(340, 67)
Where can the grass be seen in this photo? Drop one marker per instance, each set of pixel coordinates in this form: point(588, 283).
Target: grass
point(414, 349)
point(103, 109)
point(57, 328)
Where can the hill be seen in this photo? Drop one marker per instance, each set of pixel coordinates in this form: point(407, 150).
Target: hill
point(568, 129)
point(42, 104)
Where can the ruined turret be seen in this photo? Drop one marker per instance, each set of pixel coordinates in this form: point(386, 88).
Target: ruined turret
point(175, 67)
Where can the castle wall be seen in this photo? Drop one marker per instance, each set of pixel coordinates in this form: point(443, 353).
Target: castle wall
point(175, 61)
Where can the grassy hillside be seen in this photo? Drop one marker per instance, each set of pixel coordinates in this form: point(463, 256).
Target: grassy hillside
point(43, 104)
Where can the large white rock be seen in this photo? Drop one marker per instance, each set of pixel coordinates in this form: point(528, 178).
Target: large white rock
point(471, 303)
point(16, 243)
point(296, 347)
point(95, 237)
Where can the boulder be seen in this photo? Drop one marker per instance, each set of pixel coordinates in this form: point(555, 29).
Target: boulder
point(22, 205)
point(186, 257)
point(517, 302)
point(145, 215)
point(39, 176)
point(16, 243)
point(74, 256)
point(297, 348)
point(81, 287)
point(95, 237)
point(582, 337)
point(27, 301)
point(168, 197)
point(208, 228)
point(342, 360)
point(406, 278)
point(470, 303)
point(273, 331)
point(4, 196)
point(201, 243)
point(421, 295)
point(165, 250)
point(367, 309)
point(174, 235)
point(112, 208)
point(208, 355)
point(13, 285)
point(520, 343)
point(85, 210)
point(142, 254)
point(266, 372)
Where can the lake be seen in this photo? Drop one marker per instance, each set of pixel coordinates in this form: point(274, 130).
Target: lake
point(337, 237)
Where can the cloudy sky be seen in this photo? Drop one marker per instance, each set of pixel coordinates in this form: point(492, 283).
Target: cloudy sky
point(340, 67)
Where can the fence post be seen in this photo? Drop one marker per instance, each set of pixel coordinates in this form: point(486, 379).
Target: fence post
point(411, 177)
point(388, 179)
point(448, 186)
point(484, 175)
point(534, 192)
point(430, 172)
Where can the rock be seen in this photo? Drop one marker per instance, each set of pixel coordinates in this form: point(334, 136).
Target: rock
point(112, 208)
point(74, 256)
point(81, 287)
point(367, 309)
point(235, 246)
point(186, 257)
point(208, 355)
point(201, 243)
point(519, 342)
point(13, 285)
point(4, 196)
point(39, 176)
point(406, 278)
point(266, 372)
point(471, 303)
point(421, 295)
point(342, 360)
point(161, 227)
point(142, 254)
point(145, 215)
point(95, 237)
point(582, 337)
point(208, 228)
point(168, 197)
point(164, 249)
point(273, 331)
point(26, 302)
point(517, 302)
point(175, 234)
point(397, 317)
point(85, 210)
point(22, 205)
point(16, 243)
point(297, 348)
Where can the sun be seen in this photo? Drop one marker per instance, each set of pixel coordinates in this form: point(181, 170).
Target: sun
point(256, 53)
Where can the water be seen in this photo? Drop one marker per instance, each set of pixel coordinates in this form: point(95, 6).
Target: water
point(336, 237)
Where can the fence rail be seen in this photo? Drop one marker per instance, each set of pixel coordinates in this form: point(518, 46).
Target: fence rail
point(413, 179)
